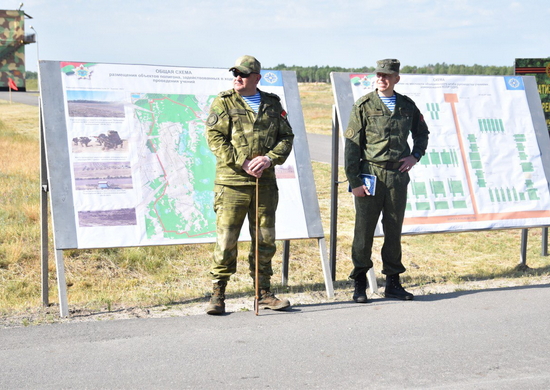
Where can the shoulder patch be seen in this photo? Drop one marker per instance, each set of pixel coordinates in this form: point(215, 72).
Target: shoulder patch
point(272, 95)
point(363, 99)
point(349, 133)
point(212, 119)
point(408, 98)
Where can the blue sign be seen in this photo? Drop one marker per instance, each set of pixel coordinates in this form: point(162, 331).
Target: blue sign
point(271, 78)
point(514, 83)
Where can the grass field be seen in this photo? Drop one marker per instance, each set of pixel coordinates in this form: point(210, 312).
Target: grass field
point(168, 276)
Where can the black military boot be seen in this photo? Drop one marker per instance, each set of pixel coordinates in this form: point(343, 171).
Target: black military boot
point(395, 290)
point(217, 301)
point(360, 292)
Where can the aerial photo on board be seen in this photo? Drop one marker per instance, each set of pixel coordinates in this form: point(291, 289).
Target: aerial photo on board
point(102, 175)
point(95, 104)
point(119, 217)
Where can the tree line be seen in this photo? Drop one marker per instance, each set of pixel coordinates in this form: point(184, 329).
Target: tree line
point(321, 74)
point(31, 75)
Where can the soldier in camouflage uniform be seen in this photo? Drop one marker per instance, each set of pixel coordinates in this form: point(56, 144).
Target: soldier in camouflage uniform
point(376, 143)
point(249, 133)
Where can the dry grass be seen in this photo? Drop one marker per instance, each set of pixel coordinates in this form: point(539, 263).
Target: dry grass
point(32, 84)
point(168, 276)
point(317, 101)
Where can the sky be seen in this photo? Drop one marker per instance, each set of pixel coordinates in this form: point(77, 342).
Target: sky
point(345, 33)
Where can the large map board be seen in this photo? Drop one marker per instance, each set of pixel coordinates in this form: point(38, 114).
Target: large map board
point(487, 165)
point(128, 162)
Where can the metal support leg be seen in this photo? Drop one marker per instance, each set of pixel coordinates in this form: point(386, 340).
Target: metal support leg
point(44, 247)
point(61, 283)
point(286, 256)
point(334, 193)
point(523, 252)
point(326, 268)
point(544, 242)
point(373, 284)
point(43, 215)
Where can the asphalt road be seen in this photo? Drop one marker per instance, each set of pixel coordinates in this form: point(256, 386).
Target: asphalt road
point(490, 339)
point(485, 339)
point(320, 148)
point(30, 97)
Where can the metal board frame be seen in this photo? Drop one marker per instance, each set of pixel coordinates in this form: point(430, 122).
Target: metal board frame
point(303, 159)
point(55, 159)
point(344, 101)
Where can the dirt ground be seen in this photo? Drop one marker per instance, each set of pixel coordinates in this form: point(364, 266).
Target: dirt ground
point(50, 315)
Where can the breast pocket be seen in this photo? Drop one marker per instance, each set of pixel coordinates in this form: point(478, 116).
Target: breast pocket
point(238, 117)
point(406, 118)
point(377, 123)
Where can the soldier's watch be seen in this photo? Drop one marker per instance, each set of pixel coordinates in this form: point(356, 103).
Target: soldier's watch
point(417, 156)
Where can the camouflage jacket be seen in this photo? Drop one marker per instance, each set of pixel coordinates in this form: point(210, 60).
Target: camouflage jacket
point(378, 135)
point(236, 133)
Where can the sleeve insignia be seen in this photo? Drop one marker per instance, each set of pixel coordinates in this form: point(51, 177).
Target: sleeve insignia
point(349, 133)
point(212, 119)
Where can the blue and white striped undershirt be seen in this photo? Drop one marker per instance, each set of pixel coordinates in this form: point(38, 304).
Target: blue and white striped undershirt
point(253, 101)
point(389, 101)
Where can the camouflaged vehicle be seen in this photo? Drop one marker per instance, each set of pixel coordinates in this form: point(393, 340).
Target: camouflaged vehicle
point(12, 48)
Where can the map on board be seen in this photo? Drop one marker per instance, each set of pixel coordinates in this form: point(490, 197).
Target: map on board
point(142, 171)
point(177, 167)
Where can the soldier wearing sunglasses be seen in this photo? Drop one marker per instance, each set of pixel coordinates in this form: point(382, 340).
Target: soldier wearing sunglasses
point(248, 131)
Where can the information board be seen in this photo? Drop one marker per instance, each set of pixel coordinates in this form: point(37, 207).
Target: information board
point(487, 163)
point(540, 69)
point(128, 161)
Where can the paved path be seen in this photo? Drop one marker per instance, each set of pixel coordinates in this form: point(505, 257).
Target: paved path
point(320, 148)
point(30, 97)
point(491, 339)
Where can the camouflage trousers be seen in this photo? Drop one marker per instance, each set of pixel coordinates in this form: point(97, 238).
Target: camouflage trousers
point(390, 199)
point(232, 205)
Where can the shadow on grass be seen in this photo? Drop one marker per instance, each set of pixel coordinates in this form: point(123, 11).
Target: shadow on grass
point(342, 286)
point(517, 272)
point(343, 290)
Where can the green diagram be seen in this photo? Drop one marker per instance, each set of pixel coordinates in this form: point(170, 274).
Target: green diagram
point(178, 168)
point(475, 161)
point(433, 109)
point(448, 158)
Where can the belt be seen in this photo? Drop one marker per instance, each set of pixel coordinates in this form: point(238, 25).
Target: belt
point(386, 164)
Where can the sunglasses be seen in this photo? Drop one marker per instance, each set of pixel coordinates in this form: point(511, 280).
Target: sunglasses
point(237, 74)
